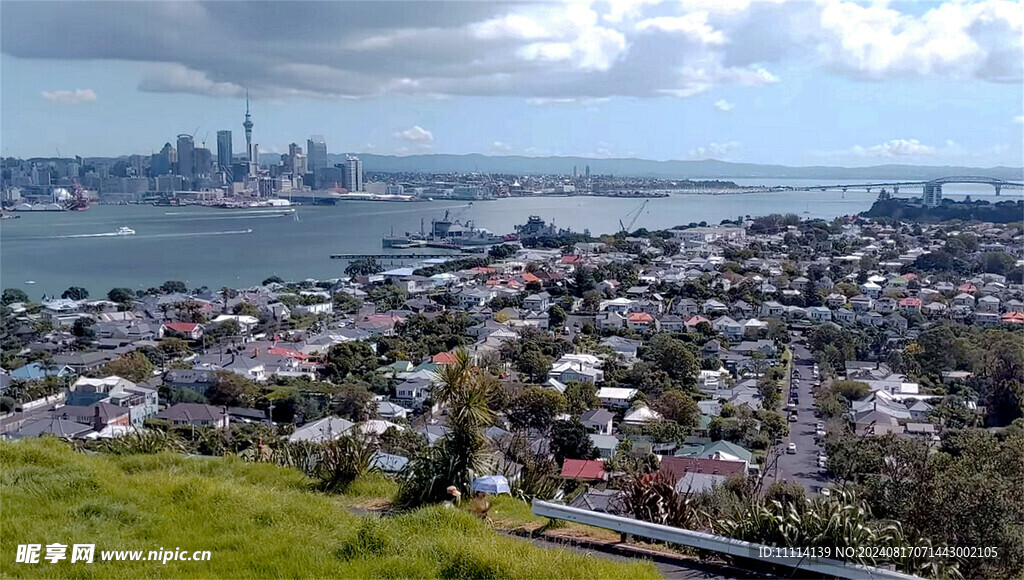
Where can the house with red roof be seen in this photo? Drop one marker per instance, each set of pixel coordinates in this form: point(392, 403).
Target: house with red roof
point(692, 322)
point(584, 470)
point(911, 303)
point(967, 288)
point(444, 358)
point(694, 474)
point(187, 330)
point(1013, 318)
point(640, 321)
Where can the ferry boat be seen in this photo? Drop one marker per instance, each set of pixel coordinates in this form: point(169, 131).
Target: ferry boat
point(125, 231)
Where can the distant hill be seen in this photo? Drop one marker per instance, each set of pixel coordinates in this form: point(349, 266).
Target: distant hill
point(443, 163)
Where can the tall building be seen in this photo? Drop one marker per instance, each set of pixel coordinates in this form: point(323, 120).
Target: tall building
point(353, 173)
point(202, 161)
point(186, 159)
point(588, 170)
point(316, 153)
point(296, 160)
point(162, 163)
point(224, 150)
point(250, 153)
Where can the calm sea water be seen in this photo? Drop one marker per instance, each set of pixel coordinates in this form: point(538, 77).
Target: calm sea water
point(213, 247)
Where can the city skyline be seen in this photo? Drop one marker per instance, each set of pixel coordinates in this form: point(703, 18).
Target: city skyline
point(603, 80)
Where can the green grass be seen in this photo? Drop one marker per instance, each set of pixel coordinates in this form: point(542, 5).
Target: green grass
point(257, 520)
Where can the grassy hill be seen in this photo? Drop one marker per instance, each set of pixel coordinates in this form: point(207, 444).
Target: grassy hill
point(258, 520)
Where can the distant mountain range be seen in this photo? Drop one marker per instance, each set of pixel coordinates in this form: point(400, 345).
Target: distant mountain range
point(709, 169)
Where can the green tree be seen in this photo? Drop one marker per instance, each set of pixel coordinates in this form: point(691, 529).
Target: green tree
point(675, 358)
point(172, 286)
point(75, 293)
point(245, 309)
point(570, 440)
point(679, 407)
point(132, 366)
point(354, 402)
point(232, 390)
point(534, 364)
point(350, 359)
point(272, 280)
point(121, 295)
point(580, 397)
point(535, 408)
point(12, 295)
point(556, 316)
point(363, 267)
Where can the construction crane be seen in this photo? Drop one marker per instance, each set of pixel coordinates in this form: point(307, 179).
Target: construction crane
point(632, 217)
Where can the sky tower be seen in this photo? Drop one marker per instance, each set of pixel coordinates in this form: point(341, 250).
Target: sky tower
point(251, 166)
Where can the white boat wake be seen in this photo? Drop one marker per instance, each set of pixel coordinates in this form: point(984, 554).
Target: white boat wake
point(151, 236)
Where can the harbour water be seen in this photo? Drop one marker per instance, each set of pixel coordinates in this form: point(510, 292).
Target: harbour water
point(215, 247)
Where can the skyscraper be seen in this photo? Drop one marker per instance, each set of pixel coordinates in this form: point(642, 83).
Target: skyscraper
point(161, 163)
point(588, 170)
point(296, 160)
point(353, 174)
point(202, 163)
point(249, 152)
point(186, 158)
point(224, 150)
point(316, 153)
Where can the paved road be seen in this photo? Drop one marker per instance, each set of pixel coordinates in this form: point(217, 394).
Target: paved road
point(802, 467)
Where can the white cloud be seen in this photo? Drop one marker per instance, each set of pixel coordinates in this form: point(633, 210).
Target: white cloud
point(178, 78)
point(417, 135)
point(585, 49)
point(70, 97)
point(724, 105)
point(897, 148)
point(500, 147)
point(713, 150)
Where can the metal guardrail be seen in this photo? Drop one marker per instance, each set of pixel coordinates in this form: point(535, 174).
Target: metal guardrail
point(720, 544)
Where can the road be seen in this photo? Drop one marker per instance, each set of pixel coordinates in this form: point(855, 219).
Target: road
point(801, 467)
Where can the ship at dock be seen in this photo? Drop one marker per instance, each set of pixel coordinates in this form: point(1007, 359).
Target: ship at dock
point(447, 232)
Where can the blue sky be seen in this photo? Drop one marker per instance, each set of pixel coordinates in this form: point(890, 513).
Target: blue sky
point(805, 82)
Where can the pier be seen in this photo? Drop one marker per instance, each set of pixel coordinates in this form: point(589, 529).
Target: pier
point(401, 256)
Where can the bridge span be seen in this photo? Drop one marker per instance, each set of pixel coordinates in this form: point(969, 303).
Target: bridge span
point(931, 190)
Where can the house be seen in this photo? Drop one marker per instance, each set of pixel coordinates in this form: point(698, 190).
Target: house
point(616, 397)
point(388, 410)
point(835, 300)
point(718, 450)
point(605, 444)
point(910, 304)
point(195, 380)
point(412, 392)
point(731, 329)
point(598, 421)
point(196, 415)
point(626, 347)
point(640, 321)
point(861, 303)
point(62, 428)
point(871, 289)
point(597, 500)
point(714, 307)
point(388, 462)
point(987, 318)
point(772, 309)
point(641, 415)
point(186, 330)
point(141, 402)
point(577, 367)
point(610, 320)
point(322, 430)
point(671, 323)
point(584, 470)
point(36, 371)
point(844, 316)
point(964, 299)
point(537, 302)
point(697, 475)
point(819, 314)
point(988, 304)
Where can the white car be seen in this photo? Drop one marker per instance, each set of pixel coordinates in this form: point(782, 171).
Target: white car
point(820, 425)
point(819, 433)
point(826, 492)
point(791, 449)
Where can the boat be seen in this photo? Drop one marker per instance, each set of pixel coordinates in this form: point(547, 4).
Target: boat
point(447, 233)
point(125, 231)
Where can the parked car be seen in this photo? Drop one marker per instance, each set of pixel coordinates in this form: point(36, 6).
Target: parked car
point(791, 449)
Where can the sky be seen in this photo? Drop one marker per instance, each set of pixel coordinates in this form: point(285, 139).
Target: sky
point(794, 82)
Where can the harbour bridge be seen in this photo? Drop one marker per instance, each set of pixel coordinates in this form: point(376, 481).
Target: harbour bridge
point(931, 190)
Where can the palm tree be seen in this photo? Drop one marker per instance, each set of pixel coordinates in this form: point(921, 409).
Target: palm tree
point(467, 392)
point(224, 294)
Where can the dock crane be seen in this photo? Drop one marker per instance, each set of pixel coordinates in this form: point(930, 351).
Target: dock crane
point(632, 216)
